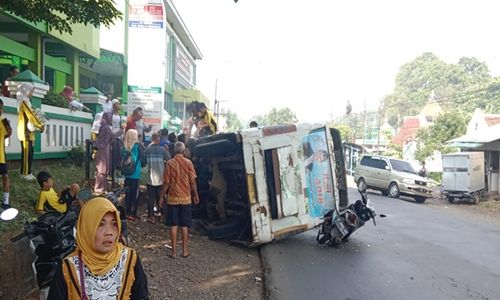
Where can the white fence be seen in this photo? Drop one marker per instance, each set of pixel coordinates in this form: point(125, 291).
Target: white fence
point(64, 129)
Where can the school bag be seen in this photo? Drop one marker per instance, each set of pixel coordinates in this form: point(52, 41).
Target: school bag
point(128, 163)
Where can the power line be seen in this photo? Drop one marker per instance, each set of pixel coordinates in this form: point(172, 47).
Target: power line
point(448, 98)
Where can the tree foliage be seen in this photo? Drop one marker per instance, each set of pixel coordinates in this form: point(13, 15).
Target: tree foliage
point(351, 126)
point(447, 126)
point(61, 14)
point(233, 122)
point(466, 85)
point(276, 117)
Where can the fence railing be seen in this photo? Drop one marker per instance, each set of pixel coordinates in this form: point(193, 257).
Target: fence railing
point(63, 130)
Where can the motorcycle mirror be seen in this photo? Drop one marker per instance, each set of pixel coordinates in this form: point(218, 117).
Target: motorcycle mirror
point(84, 194)
point(9, 214)
point(362, 188)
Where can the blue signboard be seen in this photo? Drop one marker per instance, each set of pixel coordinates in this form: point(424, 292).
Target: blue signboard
point(318, 173)
point(145, 24)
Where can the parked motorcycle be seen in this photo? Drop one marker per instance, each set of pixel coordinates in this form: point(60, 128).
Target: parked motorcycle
point(116, 197)
point(52, 236)
point(51, 239)
point(339, 225)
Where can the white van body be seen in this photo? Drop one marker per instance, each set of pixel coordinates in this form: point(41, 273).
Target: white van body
point(289, 184)
point(463, 174)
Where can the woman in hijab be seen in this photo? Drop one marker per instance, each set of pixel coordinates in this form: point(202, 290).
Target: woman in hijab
point(131, 148)
point(103, 141)
point(100, 267)
point(27, 123)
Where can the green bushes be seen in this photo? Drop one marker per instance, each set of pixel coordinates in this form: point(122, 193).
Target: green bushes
point(77, 155)
point(54, 99)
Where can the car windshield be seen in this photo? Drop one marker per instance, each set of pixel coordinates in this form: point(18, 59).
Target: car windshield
point(402, 166)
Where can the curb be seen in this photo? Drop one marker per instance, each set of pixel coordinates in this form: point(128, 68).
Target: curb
point(270, 292)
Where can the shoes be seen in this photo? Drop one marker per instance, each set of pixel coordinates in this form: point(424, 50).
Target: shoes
point(5, 206)
point(29, 177)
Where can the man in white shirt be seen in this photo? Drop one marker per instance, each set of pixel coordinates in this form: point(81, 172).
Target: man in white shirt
point(108, 105)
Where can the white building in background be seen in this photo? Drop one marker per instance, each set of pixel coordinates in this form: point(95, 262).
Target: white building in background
point(161, 60)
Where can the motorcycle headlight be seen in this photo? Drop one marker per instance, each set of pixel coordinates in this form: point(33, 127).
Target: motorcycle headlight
point(408, 181)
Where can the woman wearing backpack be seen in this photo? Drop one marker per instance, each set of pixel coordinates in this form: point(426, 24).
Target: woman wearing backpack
point(131, 169)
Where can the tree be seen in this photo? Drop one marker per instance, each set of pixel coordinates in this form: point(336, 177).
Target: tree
point(447, 126)
point(276, 117)
point(354, 122)
point(466, 85)
point(233, 123)
point(392, 149)
point(61, 14)
point(345, 131)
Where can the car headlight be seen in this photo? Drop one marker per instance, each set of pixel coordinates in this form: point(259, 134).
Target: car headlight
point(408, 181)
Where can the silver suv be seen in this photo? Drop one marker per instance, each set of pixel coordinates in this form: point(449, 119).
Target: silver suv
point(393, 177)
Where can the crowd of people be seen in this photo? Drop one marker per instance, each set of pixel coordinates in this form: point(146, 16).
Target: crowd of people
point(101, 265)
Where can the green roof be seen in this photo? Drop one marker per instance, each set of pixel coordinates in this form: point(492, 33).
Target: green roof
point(27, 76)
point(91, 90)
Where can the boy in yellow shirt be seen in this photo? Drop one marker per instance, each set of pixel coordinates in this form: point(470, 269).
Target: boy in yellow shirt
point(49, 200)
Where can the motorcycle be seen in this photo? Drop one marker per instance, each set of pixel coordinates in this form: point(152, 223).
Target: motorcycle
point(51, 239)
point(116, 198)
point(339, 225)
point(52, 236)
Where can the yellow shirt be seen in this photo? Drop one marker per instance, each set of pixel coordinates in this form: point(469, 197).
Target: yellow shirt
point(51, 198)
point(3, 134)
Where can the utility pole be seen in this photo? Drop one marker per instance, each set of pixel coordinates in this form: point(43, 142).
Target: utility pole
point(378, 126)
point(215, 97)
point(364, 121)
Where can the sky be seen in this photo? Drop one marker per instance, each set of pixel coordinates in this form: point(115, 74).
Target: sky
point(313, 56)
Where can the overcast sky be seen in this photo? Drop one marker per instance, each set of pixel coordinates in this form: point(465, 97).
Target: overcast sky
point(315, 55)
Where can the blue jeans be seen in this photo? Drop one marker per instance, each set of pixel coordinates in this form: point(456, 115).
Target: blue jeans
point(131, 196)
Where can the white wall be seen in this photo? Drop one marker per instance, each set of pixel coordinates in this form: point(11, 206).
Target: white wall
point(63, 139)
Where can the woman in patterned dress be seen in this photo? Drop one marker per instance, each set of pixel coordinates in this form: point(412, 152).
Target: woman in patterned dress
point(100, 267)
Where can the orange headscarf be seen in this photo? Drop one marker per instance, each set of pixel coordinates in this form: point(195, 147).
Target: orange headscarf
point(89, 219)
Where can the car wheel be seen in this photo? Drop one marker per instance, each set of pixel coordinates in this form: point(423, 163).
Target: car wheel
point(420, 199)
point(451, 199)
point(394, 190)
point(476, 198)
point(361, 184)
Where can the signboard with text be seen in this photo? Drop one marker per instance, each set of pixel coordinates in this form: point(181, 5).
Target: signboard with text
point(146, 59)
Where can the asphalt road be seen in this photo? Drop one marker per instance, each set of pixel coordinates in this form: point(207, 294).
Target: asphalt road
point(417, 252)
